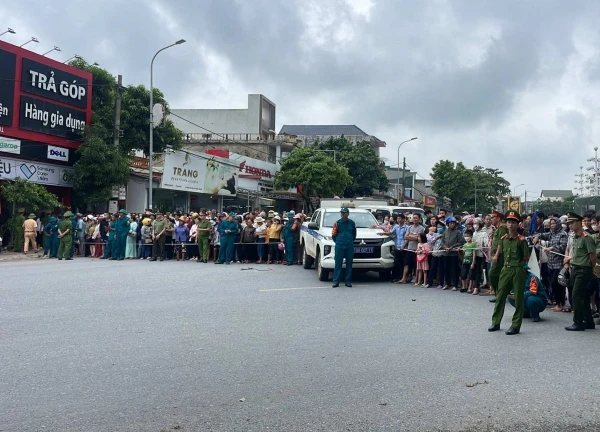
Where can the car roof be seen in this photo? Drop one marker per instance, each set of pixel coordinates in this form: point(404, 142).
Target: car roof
point(337, 209)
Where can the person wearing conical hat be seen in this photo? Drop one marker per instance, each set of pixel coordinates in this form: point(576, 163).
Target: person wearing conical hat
point(65, 230)
point(515, 251)
point(495, 269)
point(582, 262)
point(30, 233)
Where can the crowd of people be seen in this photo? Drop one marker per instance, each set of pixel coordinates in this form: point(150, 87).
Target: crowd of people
point(223, 238)
point(464, 253)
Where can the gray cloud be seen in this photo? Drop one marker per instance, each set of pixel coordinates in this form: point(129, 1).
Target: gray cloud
point(498, 77)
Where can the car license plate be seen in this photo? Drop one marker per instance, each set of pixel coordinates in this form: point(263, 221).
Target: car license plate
point(363, 250)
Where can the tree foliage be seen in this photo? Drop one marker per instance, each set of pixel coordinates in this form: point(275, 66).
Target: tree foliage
point(30, 195)
point(135, 113)
point(314, 171)
point(100, 165)
point(469, 189)
point(365, 167)
point(561, 207)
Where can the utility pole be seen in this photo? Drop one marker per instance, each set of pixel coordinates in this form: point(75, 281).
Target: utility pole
point(403, 178)
point(119, 92)
point(525, 202)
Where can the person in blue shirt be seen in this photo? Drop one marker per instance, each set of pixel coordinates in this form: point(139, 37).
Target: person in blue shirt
point(289, 238)
point(228, 230)
point(398, 233)
point(535, 297)
point(51, 234)
point(343, 234)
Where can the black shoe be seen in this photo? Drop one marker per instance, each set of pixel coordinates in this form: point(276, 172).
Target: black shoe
point(68, 259)
point(591, 326)
point(218, 262)
point(536, 319)
point(152, 259)
point(463, 290)
point(335, 285)
point(575, 327)
point(512, 331)
point(60, 259)
point(349, 285)
point(494, 328)
point(493, 300)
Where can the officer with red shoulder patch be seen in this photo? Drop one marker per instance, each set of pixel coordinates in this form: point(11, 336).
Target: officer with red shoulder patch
point(515, 251)
point(582, 262)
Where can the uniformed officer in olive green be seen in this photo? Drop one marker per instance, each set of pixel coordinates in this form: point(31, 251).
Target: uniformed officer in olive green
point(515, 251)
point(582, 263)
point(343, 234)
point(203, 237)
point(499, 232)
point(65, 236)
point(19, 237)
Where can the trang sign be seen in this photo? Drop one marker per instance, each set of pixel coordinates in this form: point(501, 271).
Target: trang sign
point(42, 80)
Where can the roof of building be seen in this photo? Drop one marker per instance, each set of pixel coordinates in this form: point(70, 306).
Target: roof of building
point(322, 130)
point(556, 193)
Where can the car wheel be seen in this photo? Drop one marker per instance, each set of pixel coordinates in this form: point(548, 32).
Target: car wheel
point(321, 272)
point(307, 260)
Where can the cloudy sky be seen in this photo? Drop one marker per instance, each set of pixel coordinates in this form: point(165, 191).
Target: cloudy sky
point(507, 84)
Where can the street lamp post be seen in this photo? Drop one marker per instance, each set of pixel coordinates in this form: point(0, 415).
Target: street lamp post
point(515, 188)
point(398, 179)
point(596, 169)
point(151, 141)
point(30, 40)
point(53, 49)
point(74, 57)
point(9, 30)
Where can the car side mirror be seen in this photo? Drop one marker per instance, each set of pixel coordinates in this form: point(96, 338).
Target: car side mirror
point(313, 226)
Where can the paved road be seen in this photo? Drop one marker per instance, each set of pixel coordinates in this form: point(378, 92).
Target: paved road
point(93, 345)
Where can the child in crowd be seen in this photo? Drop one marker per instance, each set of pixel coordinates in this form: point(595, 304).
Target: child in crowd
point(469, 257)
point(423, 250)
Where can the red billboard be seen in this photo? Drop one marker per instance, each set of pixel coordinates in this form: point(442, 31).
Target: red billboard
point(42, 99)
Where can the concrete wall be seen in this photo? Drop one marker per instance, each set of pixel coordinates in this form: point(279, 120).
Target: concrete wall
point(222, 121)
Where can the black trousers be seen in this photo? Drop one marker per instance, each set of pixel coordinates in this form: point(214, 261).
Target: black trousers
point(558, 291)
point(436, 270)
point(398, 268)
point(451, 270)
point(158, 247)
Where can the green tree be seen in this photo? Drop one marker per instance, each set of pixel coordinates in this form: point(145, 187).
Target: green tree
point(469, 189)
point(365, 167)
point(135, 113)
point(31, 196)
point(313, 173)
point(98, 168)
point(561, 207)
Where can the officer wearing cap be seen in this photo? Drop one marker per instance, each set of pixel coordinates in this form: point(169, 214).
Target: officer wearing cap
point(582, 262)
point(19, 237)
point(515, 253)
point(289, 238)
point(499, 231)
point(343, 234)
point(65, 234)
point(120, 239)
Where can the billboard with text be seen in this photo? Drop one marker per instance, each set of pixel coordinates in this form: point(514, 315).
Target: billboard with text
point(42, 99)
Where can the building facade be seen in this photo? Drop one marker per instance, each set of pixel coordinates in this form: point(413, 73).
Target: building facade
point(307, 135)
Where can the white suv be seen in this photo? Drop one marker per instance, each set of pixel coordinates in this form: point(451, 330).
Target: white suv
point(372, 252)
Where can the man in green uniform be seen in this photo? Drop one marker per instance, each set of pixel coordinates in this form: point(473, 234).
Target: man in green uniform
point(203, 238)
point(109, 249)
point(343, 234)
point(65, 236)
point(582, 262)
point(158, 237)
point(495, 269)
point(19, 238)
point(121, 231)
point(515, 251)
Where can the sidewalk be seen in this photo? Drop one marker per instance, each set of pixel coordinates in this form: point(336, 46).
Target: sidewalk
point(18, 256)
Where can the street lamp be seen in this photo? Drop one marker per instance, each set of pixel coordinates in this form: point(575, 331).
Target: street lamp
point(11, 31)
point(53, 49)
point(151, 142)
point(30, 40)
point(398, 179)
point(74, 57)
point(515, 188)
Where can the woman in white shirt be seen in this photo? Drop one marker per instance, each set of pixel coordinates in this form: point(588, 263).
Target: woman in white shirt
point(260, 233)
point(193, 246)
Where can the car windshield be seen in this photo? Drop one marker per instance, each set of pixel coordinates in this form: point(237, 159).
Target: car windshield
point(361, 219)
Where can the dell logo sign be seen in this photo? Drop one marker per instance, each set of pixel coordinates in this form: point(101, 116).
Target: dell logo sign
point(58, 153)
